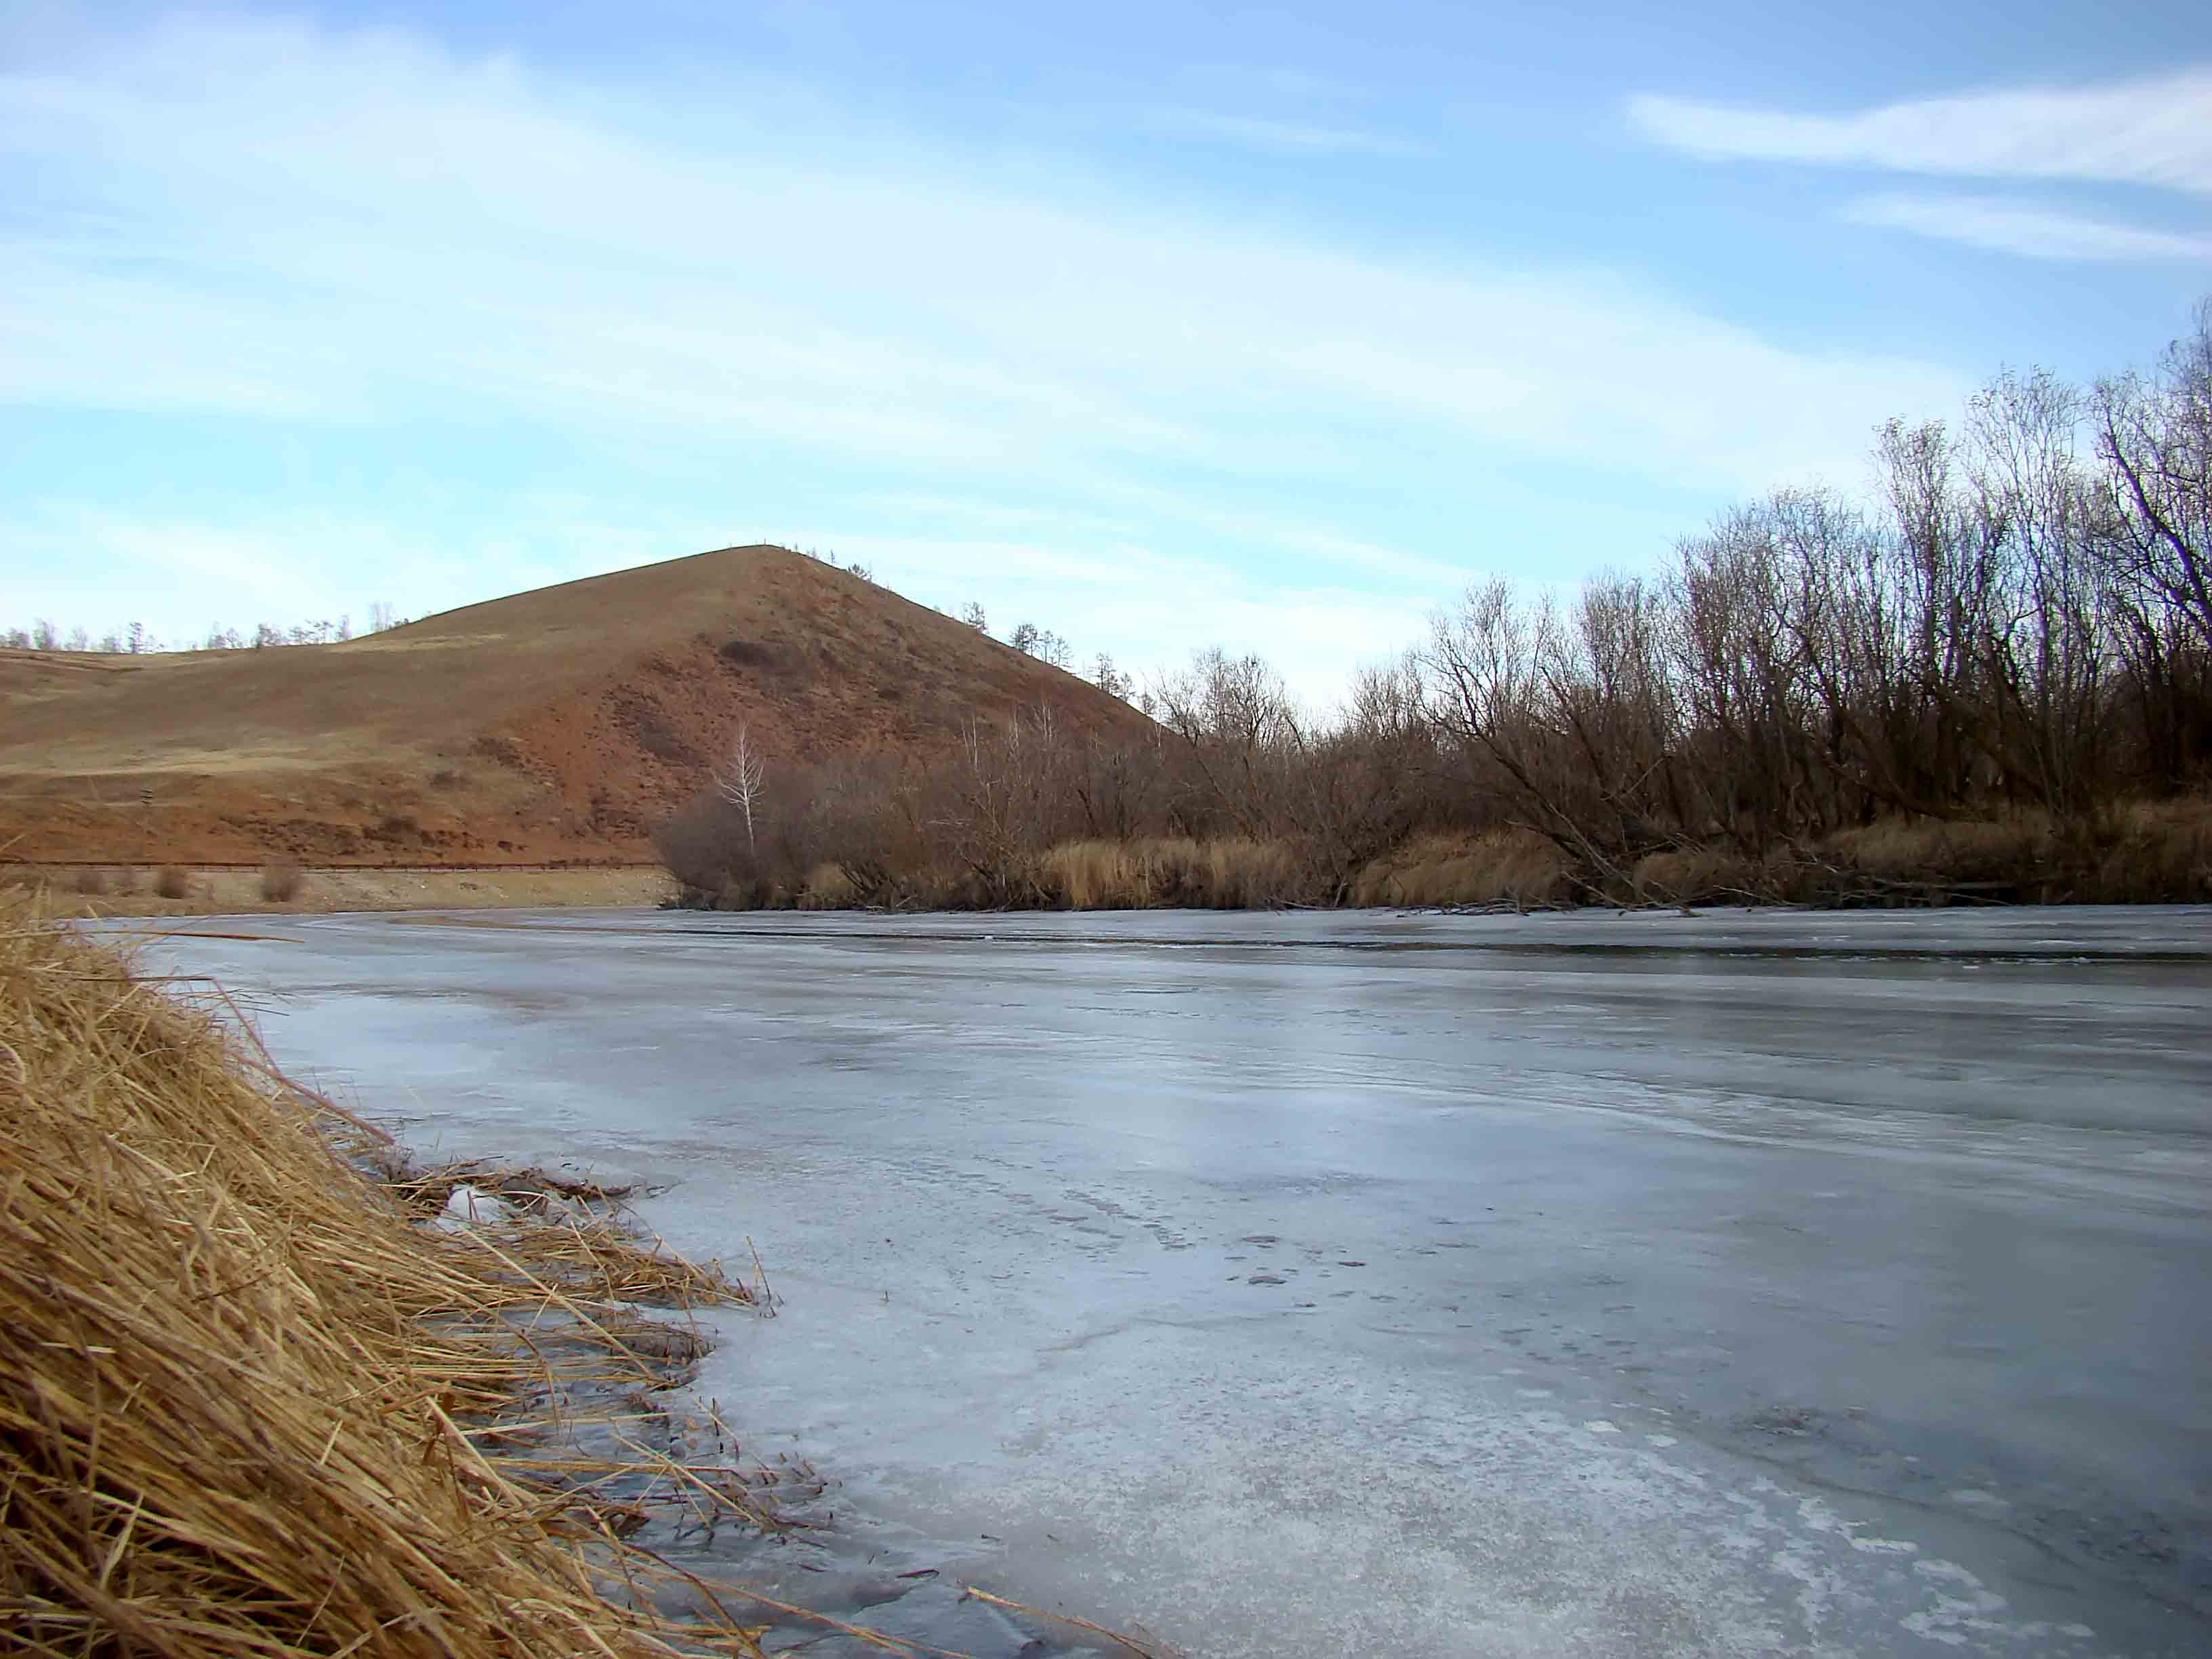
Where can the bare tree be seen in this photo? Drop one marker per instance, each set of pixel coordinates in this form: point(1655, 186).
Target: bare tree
point(741, 785)
point(976, 616)
point(2156, 438)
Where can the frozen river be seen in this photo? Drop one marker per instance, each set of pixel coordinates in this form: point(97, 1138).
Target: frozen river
point(1307, 1284)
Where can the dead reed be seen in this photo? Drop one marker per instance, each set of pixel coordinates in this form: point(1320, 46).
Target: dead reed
point(1515, 868)
point(243, 1387)
point(1232, 872)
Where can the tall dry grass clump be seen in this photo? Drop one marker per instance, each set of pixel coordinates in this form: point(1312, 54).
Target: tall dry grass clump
point(241, 1391)
point(1504, 867)
point(1102, 875)
point(1230, 872)
point(281, 881)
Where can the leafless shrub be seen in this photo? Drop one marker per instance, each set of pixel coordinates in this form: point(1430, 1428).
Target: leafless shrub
point(173, 881)
point(1975, 685)
point(280, 880)
point(746, 653)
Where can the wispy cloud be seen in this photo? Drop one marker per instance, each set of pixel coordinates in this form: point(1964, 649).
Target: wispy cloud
point(1281, 138)
point(1141, 605)
point(2035, 232)
point(1140, 423)
point(355, 227)
point(183, 576)
point(2156, 131)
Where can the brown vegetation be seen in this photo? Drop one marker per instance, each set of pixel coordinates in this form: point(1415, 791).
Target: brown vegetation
point(1997, 685)
point(104, 891)
point(1515, 867)
point(248, 1404)
point(551, 725)
point(280, 880)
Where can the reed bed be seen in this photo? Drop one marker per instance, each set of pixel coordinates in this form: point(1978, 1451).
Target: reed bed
point(1515, 867)
point(249, 1398)
point(1226, 874)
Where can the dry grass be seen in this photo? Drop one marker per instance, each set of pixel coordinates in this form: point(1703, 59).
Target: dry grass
point(240, 891)
point(242, 1390)
point(1231, 873)
point(2130, 852)
point(2012, 850)
point(828, 888)
point(1102, 875)
point(173, 882)
point(280, 880)
point(2134, 853)
point(1503, 867)
point(2158, 848)
point(1702, 875)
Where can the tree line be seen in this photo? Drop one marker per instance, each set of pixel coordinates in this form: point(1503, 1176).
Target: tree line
point(1998, 663)
point(135, 638)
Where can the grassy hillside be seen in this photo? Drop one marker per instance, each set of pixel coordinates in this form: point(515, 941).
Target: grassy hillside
point(556, 724)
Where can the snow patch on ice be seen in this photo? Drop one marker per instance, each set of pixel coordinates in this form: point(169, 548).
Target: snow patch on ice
point(471, 1206)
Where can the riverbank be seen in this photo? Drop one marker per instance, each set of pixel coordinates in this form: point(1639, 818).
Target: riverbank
point(108, 889)
point(2135, 853)
point(265, 1386)
point(249, 1401)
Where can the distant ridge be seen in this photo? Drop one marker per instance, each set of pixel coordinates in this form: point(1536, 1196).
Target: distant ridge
point(557, 724)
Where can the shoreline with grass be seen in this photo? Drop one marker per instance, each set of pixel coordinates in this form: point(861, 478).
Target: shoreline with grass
point(266, 1386)
point(282, 887)
point(2138, 852)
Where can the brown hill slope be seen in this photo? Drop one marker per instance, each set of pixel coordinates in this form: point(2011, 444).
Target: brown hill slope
point(556, 724)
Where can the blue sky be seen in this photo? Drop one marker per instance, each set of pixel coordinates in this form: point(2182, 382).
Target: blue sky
point(1159, 326)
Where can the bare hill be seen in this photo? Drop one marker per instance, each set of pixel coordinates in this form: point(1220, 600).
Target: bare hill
point(556, 724)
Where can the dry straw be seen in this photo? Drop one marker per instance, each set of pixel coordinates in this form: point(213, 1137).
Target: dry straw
point(245, 1392)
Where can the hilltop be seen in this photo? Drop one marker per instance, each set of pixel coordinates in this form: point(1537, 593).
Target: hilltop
point(558, 724)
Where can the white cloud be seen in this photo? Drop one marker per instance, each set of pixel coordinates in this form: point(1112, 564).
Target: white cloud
point(2035, 232)
point(2156, 131)
point(266, 217)
point(182, 575)
point(1281, 138)
point(1151, 610)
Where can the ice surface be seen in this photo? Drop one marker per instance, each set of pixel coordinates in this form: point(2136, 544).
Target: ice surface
point(1301, 1284)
